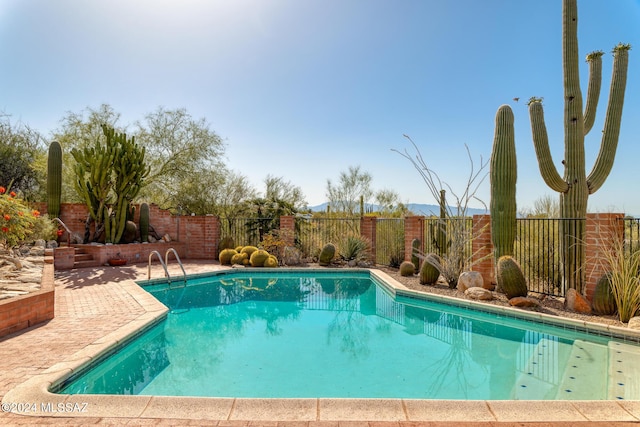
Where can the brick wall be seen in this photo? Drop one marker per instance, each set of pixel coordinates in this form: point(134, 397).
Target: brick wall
point(24, 311)
point(413, 229)
point(603, 231)
point(482, 249)
point(368, 232)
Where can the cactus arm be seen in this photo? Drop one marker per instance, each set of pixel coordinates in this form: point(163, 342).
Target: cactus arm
point(593, 92)
point(541, 144)
point(606, 156)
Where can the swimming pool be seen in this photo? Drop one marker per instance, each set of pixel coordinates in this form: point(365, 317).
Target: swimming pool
point(354, 330)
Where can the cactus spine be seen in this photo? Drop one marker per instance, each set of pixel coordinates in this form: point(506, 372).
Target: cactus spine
point(144, 223)
point(503, 174)
point(576, 186)
point(54, 179)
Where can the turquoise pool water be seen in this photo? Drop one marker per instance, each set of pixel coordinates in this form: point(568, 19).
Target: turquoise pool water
point(343, 335)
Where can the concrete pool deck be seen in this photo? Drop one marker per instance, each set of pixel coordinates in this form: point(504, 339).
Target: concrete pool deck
point(98, 307)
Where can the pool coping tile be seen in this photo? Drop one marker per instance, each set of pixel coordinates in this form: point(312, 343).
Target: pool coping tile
point(448, 410)
point(361, 409)
point(275, 409)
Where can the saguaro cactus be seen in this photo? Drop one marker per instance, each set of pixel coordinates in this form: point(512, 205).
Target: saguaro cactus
point(503, 174)
point(54, 179)
point(576, 186)
point(144, 222)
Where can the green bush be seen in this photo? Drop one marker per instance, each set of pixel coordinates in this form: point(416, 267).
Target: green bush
point(18, 222)
point(354, 248)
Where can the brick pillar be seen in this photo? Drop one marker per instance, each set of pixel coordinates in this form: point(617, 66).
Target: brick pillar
point(368, 232)
point(604, 231)
point(482, 249)
point(288, 229)
point(413, 229)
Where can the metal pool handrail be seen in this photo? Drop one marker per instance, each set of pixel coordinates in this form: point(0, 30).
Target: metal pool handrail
point(166, 272)
point(166, 262)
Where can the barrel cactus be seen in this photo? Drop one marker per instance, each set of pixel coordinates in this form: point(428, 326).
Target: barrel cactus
point(248, 250)
point(239, 258)
point(144, 223)
point(603, 299)
point(326, 254)
point(226, 255)
point(407, 269)
point(510, 277)
point(258, 258)
point(271, 261)
point(54, 179)
point(430, 271)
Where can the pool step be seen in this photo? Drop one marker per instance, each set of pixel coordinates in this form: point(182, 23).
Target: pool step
point(586, 372)
point(624, 369)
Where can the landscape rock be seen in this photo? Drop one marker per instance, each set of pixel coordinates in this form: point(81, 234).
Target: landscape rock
point(523, 302)
point(634, 323)
point(479, 293)
point(576, 302)
point(470, 279)
point(292, 256)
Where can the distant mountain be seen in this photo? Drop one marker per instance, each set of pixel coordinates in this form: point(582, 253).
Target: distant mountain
point(416, 208)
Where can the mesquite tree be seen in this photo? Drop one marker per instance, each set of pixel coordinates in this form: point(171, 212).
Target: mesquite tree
point(576, 186)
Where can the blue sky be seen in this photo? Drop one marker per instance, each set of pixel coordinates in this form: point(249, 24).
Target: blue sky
point(305, 89)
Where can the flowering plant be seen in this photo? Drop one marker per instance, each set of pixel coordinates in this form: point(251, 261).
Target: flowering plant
point(17, 221)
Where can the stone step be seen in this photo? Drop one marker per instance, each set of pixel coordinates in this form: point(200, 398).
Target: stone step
point(85, 263)
point(83, 257)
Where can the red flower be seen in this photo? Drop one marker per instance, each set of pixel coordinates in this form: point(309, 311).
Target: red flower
point(7, 217)
point(5, 230)
point(60, 232)
point(12, 194)
point(2, 190)
point(20, 213)
point(35, 213)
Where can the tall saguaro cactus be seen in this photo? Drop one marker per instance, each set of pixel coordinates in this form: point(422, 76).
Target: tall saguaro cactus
point(503, 173)
point(54, 179)
point(576, 186)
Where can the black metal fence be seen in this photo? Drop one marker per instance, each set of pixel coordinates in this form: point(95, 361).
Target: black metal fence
point(631, 234)
point(314, 233)
point(538, 245)
point(390, 241)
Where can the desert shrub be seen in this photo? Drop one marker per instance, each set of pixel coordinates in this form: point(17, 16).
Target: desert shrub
point(18, 222)
point(624, 267)
point(354, 248)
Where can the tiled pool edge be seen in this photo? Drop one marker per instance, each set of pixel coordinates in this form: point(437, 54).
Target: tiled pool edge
point(36, 389)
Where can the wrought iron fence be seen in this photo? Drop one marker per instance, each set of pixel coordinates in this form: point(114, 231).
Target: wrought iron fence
point(241, 230)
point(442, 235)
point(389, 241)
point(314, 233)
point(631, 234)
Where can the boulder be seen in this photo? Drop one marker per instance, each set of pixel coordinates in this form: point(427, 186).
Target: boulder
point(470, 279)
point(479, 293)
point(523, 302)
point(634, 323)
point(576, 302)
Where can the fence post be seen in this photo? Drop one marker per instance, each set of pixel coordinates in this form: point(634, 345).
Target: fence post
point(288, 229)
point(413, 229)
point(482, 250)
point(603, 232)
point(368, 232)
